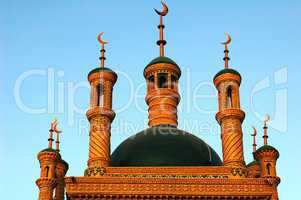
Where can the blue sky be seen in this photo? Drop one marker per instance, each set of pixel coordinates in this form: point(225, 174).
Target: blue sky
point(52, 45)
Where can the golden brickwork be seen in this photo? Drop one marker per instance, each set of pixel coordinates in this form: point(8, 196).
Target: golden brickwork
point(231, 138)
point(169, 187)
point(53, 172)
point(99, 148)
point(100, 116)
point(230, 117)
point(162, 98)
point(231, 180)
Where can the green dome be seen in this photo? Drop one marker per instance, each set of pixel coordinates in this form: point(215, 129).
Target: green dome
point(48, 150)
point(266, 147)
point(163, 59)
point(164, 146)
point(228, 70)
point(101, 69)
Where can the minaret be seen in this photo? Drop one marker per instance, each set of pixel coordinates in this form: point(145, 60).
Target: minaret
point(267, 156)
point(100, 114)
point(162, 75)
point(230, 116)
point(60, 171)
point(48, 160)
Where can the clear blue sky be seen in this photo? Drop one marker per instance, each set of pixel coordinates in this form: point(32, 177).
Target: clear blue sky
point(38, 37)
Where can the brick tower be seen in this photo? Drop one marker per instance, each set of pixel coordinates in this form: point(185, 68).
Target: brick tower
point(162, 75)
point(100, 115)
point(230, 116)
point(53, 169)
point(267, 157)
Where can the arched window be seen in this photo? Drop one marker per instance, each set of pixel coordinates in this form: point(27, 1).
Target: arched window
point(229, 98)
point(162, 80)
point(269, 168)
point(47, 171)
point(100, 96)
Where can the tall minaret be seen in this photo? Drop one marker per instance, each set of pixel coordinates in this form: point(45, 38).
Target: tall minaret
point(230, 116)
point(162, 75)
point(50, 159)
point(100, 114)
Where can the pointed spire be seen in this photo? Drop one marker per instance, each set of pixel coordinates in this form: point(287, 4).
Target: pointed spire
point(161, 42)
point(51, 130)
point(57, 131)
point(102, 51)
point(226, 51)
point(254, 139)
point(265, 129)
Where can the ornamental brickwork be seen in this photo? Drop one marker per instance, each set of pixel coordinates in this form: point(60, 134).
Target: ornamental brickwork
point(210, 179)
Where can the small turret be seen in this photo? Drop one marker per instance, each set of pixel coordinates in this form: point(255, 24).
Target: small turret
point(267, 156)
point(53, 169)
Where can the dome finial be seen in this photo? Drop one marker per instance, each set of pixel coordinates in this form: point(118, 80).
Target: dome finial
point(102, 58)
point(226, 51)
point(265, 129)
point(161, 42)
point(254, 139)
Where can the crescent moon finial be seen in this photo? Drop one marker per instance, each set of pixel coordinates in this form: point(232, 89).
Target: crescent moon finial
point(100, 39)
point(164, 10)
point(102, 57)
point(228, 39)
point(267, 118)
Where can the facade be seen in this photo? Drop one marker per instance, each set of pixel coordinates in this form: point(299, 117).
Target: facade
point(162, 162)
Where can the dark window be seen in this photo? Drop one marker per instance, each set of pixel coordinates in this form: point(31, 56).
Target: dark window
point(229, 98)
point(269, 169)
point(46, 171)
point(162, 80)
point(100, 95)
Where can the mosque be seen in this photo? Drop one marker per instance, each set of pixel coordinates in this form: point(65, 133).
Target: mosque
point(162, 162)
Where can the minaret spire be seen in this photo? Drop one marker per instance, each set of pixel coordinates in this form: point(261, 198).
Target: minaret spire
point(265, 129)
point(254, 139)
point(161, 42)
point(53, 128)
point(226, 51)
point(50, 139)
point(57, 131)
point(102, 51)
